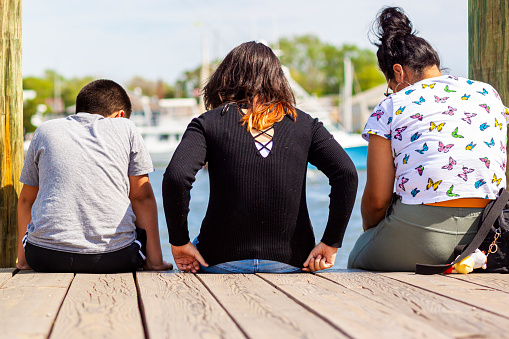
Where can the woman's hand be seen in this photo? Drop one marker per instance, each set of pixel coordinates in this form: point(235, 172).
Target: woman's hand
point(320, 258)
point(188, 258)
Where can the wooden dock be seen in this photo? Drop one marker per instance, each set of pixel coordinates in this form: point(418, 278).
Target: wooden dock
point(336, 304)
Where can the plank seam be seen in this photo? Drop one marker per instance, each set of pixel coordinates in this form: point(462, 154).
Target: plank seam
point(220, 304)
point(451, 298)
point(478, 284)
point(141, 306)
point(307, 308)
point(60, 307)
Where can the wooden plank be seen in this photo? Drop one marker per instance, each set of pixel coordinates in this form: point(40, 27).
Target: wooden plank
point(453, 318)
point(356, 315)
point(177, 305)
point(5, 274)
point(495, 281)
point(100, 306)
point(264, 312)
point(472, 294)
point(29, 303)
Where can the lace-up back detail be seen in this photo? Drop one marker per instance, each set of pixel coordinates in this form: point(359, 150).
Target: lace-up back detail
point(263, 140)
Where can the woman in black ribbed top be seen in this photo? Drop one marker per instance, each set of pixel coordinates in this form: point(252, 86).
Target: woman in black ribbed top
point(257, 147)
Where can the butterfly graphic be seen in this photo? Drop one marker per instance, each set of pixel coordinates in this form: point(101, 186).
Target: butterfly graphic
point(424, 149)
point(479, 183)
point(484, 126)
point(409, 91)
point(502, 146)
point(398, 132)
point(378, 114)
point(455, 133)
point(491, 143)
point(420, 101)
point(484, 91)
point(465, 96)
point(403, 182)
point(468, 117)
point(440, 100)
point(451, 163)
point(449, 192)
point(452, 77)
point(388, 136)
point(496, 94)
point(417, 116)
point(389, 121)
point(486, 107)
point(414, 192)
point(444, 148)
point(400, 110)
point(430, 85)
point(450, 110)
point(415, 136)
point(495, 179)
point(486, 161)
point(503, 166)
point(396, 154)
point(405, 159)
point(498, 124)
point(381, 102)
point(433, 184)
point(420, 169)
point(448, 90)
point(470, 146)
point(466, 171)
point(438, 127)
point(470, 82)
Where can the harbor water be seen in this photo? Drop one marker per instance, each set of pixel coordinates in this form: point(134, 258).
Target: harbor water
point(318, 190)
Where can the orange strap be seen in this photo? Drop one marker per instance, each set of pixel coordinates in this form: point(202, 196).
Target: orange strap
point(463, 202)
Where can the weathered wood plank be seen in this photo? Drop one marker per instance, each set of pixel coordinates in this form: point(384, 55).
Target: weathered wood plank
point(353, 313)
point(100, 306)
point(29, 303)
point(452, 317)
point(5, 274)
point(264, 312)
point(472, 294)
point(492, 280)
point(177, 305)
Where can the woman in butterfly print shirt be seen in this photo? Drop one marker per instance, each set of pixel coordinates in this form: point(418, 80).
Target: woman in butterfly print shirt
point(440, 141)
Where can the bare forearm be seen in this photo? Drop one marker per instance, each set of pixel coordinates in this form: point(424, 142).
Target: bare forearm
point(371, 214)
point(24, 218)
point(146, 218)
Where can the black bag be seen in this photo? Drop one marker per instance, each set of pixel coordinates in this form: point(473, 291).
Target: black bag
point(492, 238)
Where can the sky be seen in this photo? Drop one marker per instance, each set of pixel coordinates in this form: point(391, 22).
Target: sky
point(160, 39)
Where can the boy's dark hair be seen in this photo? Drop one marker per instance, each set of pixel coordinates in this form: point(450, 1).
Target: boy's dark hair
point(103, 97)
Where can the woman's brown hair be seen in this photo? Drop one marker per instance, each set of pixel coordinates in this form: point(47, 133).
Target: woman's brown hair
point(251, 75)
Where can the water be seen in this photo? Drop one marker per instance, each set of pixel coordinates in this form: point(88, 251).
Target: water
point(318, 190)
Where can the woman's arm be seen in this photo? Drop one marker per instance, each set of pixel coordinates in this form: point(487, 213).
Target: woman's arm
point(26, 200)
point(380, 181)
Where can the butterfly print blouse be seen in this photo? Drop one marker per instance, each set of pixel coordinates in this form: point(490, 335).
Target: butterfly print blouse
point(448, 138)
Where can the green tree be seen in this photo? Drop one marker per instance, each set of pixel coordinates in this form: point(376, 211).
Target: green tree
point(318, 66)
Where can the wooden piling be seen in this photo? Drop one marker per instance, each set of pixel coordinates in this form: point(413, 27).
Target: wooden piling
point(11, 126)
point(488, 44)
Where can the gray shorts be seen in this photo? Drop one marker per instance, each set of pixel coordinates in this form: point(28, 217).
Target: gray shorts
point(413, 234)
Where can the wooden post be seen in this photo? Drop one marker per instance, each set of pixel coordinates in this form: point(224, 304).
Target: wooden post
point(488, 45)
point(11, 127)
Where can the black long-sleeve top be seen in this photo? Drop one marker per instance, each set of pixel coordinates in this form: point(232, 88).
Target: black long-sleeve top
point(257, 206)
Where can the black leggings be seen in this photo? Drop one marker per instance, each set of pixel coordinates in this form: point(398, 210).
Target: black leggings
point(127, 259)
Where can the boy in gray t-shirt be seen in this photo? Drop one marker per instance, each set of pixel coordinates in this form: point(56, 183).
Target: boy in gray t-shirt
point(86, 188)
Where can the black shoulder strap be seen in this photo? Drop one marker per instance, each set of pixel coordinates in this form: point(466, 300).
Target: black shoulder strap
point(490, 214)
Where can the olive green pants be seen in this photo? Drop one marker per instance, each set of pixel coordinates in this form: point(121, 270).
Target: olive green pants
point(413, 234)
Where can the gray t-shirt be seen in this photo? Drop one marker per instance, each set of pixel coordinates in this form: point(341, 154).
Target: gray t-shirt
point(82, 165)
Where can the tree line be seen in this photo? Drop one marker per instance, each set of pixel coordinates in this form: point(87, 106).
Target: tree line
point(316, 65)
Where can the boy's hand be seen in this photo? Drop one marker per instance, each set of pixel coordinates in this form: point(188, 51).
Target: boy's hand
point(188, 258)
point(320, 258)
point(22, 265)
point(164, 266)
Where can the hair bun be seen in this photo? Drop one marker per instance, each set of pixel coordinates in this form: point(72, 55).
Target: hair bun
point(392, 23)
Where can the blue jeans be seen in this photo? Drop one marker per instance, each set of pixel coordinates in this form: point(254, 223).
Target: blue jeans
point(249, 266)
